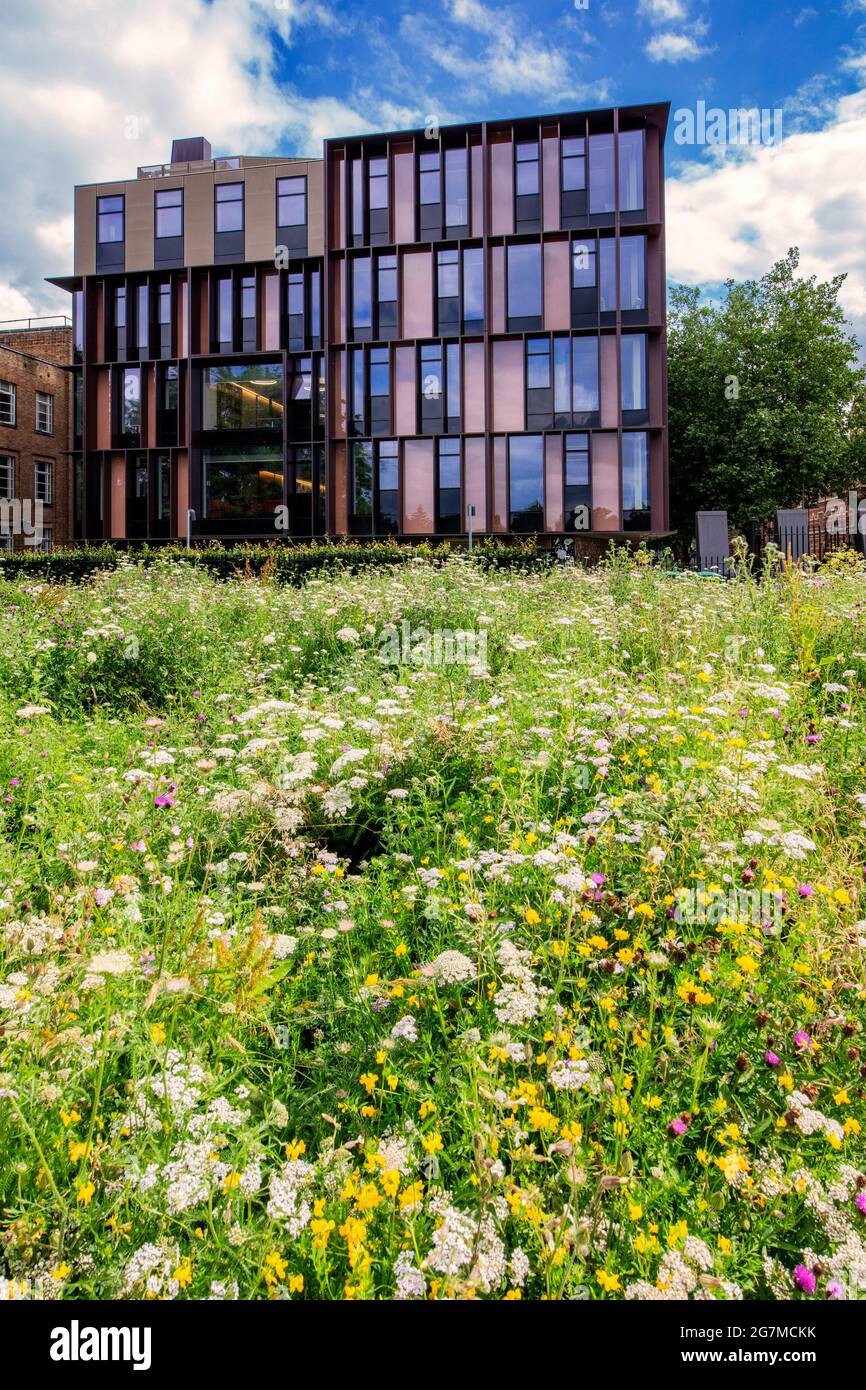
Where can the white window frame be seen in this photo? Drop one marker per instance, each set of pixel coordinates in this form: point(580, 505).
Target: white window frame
point(46, 539)
point(7, 461)
point(9, 392)
point(47, 465)
point(44, 401)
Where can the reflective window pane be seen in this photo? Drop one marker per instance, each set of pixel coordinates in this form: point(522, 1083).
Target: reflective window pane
point(601, 182)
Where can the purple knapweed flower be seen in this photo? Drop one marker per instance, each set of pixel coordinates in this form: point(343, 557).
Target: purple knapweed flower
point(771, 1059)
point(804, 1279)
point(802, 1041)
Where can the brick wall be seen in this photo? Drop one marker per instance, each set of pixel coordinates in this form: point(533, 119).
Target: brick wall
point(51, 344)
point(31, 373)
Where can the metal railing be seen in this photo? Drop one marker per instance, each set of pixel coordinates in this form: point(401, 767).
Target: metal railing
point(42, 320)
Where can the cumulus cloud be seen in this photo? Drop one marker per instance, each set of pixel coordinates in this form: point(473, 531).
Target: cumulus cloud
point(488, 49)
point(663, 11)
point(735, 219)
point(90, 90)
point(675, 48)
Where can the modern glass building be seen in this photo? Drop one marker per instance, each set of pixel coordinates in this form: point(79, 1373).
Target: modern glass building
point(420, 332)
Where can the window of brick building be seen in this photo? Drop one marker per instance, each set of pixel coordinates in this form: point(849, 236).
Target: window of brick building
point(8, 403)
point(44, 413)
point(44, 475)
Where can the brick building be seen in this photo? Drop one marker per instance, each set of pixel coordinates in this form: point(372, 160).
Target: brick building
point(420, 329)
point(35, 404)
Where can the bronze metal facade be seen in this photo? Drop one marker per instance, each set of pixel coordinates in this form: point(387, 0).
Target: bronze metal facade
point(422, 332)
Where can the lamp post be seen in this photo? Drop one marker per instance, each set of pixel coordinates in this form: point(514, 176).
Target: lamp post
point(470, 512)
point(190, 518)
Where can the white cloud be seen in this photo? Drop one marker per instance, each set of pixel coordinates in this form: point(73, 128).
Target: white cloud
point(662, 11)
point(497, 56)
point(674, 48)
point(90, 89)
point(734, 220)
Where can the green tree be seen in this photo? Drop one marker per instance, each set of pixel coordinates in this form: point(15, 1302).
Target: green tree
point(767, 398)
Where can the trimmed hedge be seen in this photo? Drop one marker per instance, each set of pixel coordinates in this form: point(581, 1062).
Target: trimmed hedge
point(289, 564)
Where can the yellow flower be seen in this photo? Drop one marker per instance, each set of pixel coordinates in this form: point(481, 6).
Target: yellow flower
point(296, 1283)
point(61, 1271)
point(609, 1282)
point(427, 1107)
point(390, 1181)
point(368, 1080)
point(295, 1148)
point(747, 964)
point(411, 1196)
point(842, 1097)
point(157, 1033)
point(368, 1198)
point(85, 1194)
point(532, 917)
point(183, 1274)
point(276, 1267)
point(433, 1143)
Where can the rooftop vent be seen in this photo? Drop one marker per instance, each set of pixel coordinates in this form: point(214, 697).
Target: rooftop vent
point(188, 151)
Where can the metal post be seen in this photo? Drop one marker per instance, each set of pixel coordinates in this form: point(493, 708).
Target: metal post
point(470, 512)
point(190, 517)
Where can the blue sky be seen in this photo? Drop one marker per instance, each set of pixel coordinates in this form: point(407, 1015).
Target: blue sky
point(89, 89)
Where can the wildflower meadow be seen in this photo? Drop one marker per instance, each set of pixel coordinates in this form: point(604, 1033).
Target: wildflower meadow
point(433, 934)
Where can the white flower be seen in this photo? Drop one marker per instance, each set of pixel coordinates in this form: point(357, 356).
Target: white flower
point(111, 963)
point(348, 634)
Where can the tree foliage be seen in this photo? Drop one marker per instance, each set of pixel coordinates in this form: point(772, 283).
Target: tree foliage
point(767, 397)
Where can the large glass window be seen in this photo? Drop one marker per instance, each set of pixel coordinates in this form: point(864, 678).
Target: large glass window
point(448, 486)
point(632, 197)
point(357, 200)
point(362, 304)
point(243, 397)
point(524, 286)
point(573, 165)
point(601, 180)
point(428, 178)
point(362, 487)
point(388, 509)
point(584, 375)
point(109, 220)
point(386, 273)
point(632, 272)
point(430, 367)
point(358, 391)
point(142, 316)
point(242, 482)
point(633, 371)
point(224, 314)
point(378, 183)
point(448, 291)
point(229, 203)
point(169, 212)
point(526, 482)
point(291, 202)
point(453, 406)
point(380, 390)
point(248, 313)
point(635, 482)
point(526, 157)
point(456, 189)
point(583, 265)
point(538, 364)
point(473, 289)
point(562, 382)
point(130, 403)
point(577, 487)
point(295, 307)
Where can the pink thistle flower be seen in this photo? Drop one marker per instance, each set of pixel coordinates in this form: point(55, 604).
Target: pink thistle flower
point(804, 1279)
point(771, 1059)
